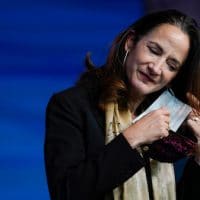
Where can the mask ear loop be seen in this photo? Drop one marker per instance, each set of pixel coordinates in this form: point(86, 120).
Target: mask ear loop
point(125, 57)
point(171, 91)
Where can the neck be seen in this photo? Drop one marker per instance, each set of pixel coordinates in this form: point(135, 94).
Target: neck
point(137, 100)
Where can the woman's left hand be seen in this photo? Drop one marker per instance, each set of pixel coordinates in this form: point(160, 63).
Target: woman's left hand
point(193, 122)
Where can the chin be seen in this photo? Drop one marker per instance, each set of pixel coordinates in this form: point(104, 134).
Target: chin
point(142, 89)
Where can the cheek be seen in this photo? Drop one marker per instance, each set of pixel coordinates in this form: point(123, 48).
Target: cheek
point(168, 77)
point(128, 72)
point(129, 67)
point(131, 61)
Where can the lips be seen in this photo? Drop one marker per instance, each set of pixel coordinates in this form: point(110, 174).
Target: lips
point(145, 77)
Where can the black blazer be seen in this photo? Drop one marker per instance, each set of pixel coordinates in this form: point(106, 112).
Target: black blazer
point(79, 166)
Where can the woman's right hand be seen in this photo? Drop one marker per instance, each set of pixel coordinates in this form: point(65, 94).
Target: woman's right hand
point(151, 127)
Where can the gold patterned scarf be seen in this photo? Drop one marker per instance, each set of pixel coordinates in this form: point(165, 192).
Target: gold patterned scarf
point(136, 188)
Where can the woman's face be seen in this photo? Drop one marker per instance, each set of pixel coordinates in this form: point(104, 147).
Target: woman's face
point(156, 58)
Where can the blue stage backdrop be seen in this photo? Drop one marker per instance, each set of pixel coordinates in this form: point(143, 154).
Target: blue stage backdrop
point(42, 49)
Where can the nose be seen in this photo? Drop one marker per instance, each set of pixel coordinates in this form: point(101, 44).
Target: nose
point(155, 68)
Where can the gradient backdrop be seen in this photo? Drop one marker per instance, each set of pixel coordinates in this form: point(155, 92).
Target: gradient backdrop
point(42, 49)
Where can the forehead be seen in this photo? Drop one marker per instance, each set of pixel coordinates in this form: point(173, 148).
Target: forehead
point(171, 38)
point(167, 30)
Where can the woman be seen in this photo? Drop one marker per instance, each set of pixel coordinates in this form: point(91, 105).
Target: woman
point(93, 151)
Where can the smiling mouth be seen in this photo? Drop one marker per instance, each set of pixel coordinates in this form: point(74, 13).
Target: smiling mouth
point(145, 77)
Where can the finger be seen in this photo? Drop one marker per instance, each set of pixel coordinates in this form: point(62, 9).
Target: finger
point(167, 124)
point(165, 111)
point(193, 115)
point(165, 133)
point(166, 117)
point(195, 119)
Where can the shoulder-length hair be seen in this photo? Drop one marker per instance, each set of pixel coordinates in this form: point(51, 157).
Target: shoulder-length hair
point(115, 87)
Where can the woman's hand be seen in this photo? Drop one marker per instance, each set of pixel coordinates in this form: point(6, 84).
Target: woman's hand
point(151, 127)
point(193, 122)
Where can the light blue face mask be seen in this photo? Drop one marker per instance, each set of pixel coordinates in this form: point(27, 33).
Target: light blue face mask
point(178, 110)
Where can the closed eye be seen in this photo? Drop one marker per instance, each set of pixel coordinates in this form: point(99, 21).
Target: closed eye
point(172, 66)
point(155, 50)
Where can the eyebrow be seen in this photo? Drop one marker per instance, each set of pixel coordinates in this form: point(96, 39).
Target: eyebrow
point(174, 60)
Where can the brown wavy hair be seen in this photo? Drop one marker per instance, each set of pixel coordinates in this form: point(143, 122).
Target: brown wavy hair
point(114, 84)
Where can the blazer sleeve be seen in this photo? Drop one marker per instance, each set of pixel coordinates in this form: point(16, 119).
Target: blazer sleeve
point(189, 185)
point(71, 173)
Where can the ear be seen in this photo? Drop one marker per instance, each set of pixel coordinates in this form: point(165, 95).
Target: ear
point(129, 44)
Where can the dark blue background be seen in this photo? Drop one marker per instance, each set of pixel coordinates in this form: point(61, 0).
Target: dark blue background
point(42, 49)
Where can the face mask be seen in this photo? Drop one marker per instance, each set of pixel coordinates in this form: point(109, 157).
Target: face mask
point(179, 143)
